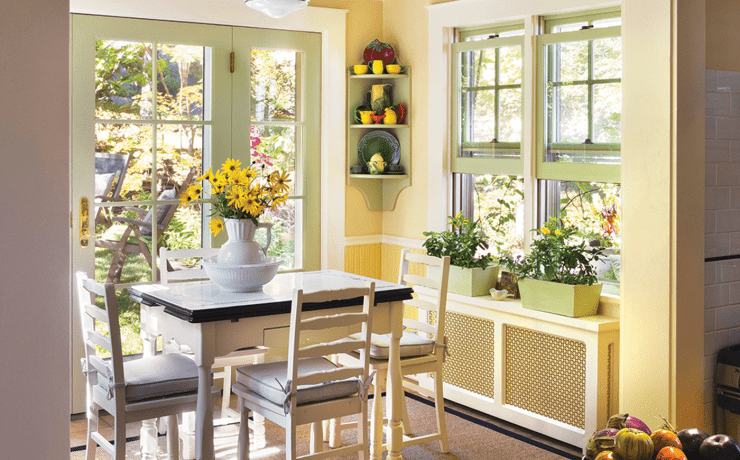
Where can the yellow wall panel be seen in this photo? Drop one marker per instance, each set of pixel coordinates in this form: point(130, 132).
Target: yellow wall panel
point(363, 259)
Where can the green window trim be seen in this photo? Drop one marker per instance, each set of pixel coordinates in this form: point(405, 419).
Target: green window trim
point(610, 173)
point(501, 166)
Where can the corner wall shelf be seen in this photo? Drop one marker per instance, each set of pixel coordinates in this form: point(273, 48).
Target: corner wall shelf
point(380, 191)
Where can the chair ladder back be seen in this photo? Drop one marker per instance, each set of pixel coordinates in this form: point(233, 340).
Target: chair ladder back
point(165, 255)
point(88, 288)
point(435, 279)
point(325, 322)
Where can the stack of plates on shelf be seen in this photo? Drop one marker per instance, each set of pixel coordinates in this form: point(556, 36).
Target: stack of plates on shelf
point(381, 142)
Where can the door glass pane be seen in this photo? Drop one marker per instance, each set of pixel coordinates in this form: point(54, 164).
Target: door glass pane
point(608, 113)
point(277, 150)
point(273, 85)
point(134, 140)
point(283, 244)
point(123, 88)
point(180, 82)
point(179, 148)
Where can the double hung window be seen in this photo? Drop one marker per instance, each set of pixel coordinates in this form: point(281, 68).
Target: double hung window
point(575, 155)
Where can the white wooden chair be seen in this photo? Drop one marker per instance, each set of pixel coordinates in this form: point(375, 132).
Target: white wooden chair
point(420, 353)
point(240, 357)
point(131, 391)
point(308, 388)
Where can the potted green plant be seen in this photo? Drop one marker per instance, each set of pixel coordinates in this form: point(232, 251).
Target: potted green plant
point(557, 275)
point(472, 272)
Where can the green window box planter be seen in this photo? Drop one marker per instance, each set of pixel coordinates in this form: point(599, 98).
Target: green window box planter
point(471, 282)
point(558, 298)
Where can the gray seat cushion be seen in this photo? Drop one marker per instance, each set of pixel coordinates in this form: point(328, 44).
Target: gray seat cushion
point(158, 376)
point(263, 379)
point(412, 344)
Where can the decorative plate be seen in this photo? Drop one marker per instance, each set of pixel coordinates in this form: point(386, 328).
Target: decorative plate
point(381, 142)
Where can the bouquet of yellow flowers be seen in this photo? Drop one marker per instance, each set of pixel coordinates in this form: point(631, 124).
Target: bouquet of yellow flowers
point(239, 193)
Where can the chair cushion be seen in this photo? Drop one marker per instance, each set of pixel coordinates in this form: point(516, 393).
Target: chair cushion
point(263, 379)
point(161, 375)
point(412, 344)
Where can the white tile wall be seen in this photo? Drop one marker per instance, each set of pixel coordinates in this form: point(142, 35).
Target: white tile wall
point(722, 225)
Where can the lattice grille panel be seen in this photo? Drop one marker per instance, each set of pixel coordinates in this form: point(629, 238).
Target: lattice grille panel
point(471, 359)
point(546, 374)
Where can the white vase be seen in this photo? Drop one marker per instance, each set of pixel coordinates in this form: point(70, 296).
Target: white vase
point(241, 249)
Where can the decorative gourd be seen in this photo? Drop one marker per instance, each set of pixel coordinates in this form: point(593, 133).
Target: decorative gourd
point(608, 455)
point(664, 438)
point(670, 453)
point(600, 441)
point(391, 118)
point(620, 421)
point(633, 444)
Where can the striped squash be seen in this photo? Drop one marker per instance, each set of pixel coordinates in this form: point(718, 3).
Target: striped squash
point(633, 444)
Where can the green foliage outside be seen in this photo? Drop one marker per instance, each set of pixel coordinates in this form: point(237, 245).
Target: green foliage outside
point(124, 89)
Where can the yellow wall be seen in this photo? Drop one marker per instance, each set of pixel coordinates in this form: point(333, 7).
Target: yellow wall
point(723, 35)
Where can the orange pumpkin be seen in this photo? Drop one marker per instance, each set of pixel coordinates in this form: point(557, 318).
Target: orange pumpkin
point(664, 438)
point(670, 453)
point(608, 455)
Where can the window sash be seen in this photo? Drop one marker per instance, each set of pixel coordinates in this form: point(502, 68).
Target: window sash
point(580, 172)
point(501, 166)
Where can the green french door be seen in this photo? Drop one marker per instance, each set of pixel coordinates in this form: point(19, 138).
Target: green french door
point(154, 105)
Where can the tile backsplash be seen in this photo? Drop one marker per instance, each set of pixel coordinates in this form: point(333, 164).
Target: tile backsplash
point(722, 225)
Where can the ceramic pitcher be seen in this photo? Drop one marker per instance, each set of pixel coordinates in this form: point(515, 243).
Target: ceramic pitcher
point(241, 249)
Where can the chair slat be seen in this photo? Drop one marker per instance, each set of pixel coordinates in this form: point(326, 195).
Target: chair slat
point(100, 340)
point(421, 281)
point(328, 296)
point(97, 313)
point(420, 326)
point(423, 304)
point(99, 364)
point(325, 349)
point(424, 259)
point(340, 373)
point(326, 322)
point(187, 274)
point(93, 286)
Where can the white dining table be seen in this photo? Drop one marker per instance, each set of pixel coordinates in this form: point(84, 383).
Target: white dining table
point(213, 322)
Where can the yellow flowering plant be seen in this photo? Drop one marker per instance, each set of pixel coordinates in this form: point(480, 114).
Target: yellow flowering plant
point(240, 193)
point(556, 256)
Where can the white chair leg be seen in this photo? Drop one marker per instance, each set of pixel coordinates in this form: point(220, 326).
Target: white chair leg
point(92, 426)
point(290, 438)
point(376, 420)
point(317, 437)
point(327, 428)
point(335, 433)
point(226, 394)
point(173, 441)
point(119, 428)
point(187, 434)
point(258, 428)
point(362, 434)
point(242, 447)
point(439, 403)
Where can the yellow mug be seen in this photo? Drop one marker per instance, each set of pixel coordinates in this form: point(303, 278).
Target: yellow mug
point(359, 69)
point(377, 66)
point(393, 68)
point(365, 117)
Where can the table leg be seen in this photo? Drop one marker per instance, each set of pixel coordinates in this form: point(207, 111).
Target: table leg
point(395, 386)
point(204, 407)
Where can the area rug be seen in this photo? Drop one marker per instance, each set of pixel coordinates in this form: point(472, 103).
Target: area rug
point(470, 439)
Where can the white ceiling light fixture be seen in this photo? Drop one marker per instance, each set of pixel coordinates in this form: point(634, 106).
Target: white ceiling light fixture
point(277, 8)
